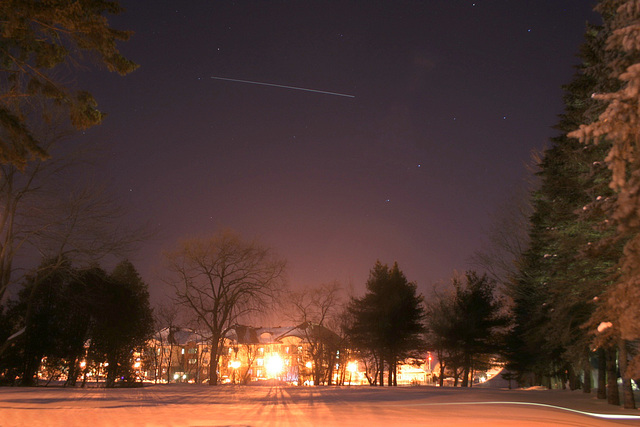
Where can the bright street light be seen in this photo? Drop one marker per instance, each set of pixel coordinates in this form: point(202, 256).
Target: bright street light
point(274, 365)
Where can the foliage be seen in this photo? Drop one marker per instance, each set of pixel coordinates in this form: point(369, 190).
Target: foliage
point(39, 38)
point(466, 328)
point(73, 315)
point(388, 319)
point(573, 250)
point(619, 125)
point(122, 319)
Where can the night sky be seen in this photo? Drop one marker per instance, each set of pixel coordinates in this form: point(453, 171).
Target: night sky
point(450, 97)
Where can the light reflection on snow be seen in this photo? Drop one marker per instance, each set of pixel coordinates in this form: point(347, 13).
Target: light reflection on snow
point(273, 404)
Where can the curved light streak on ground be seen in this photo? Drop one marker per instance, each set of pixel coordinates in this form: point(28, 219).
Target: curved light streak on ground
point(283, 86)
point(590, 414)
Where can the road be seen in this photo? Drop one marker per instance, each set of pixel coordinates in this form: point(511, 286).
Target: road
point(192, 405)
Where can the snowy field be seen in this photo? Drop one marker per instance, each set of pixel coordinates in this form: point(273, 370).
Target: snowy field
point(193, 405)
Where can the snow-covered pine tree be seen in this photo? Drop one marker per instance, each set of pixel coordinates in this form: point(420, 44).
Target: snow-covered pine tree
point(619, 124)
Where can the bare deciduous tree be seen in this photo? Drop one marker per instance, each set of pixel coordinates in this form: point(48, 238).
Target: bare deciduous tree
point(313, 309)
point(165, 319)
point(507, 238)
point(221, 279)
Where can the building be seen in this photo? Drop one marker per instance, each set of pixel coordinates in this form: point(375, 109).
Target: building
point(303, 354)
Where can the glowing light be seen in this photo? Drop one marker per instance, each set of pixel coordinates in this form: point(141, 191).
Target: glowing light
point(136, 365)
point(352, 367)
point(83, 364)
point(235, 364)
point(308, 364)
point(274, 365)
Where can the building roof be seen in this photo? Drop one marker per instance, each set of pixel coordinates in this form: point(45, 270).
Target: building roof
point(250, 335)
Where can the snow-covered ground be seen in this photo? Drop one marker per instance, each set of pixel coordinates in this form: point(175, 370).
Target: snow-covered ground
point(195, 405)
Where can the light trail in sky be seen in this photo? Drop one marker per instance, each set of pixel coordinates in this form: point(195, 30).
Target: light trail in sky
point(283, 86)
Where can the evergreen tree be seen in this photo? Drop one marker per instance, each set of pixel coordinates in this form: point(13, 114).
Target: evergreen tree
point(481, 322)
point(122, 319)
point(44, 304)
point(36, 38)
point(54, 309)
point(572, 252)
point(466, 328)
point(619, 126)
point(389, 319)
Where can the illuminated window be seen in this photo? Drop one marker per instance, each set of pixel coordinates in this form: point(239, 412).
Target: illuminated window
point(259, 362)
point(193, 361)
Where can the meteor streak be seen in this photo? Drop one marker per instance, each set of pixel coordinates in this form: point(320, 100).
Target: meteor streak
point(283, 86)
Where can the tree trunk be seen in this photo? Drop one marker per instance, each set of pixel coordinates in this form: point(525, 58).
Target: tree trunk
point(29, 371)
point(602, 374)
point(456, 376)
point(586, 383)
point(465, 371)
point(573, 378)
point(547, 381)
point(169, 363)
point(72, 372)
point(395, 374)
point(84, 378)
point(627, 390)
point(613, 396)
point(332, 366)
point(441, 379)
point(213, 363)
point(381, 373)
point(112, 371)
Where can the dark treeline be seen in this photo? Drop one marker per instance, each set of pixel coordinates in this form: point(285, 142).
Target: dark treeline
point(67, 309)
point(68, 322)
point(466, 328)
point(575, 296)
